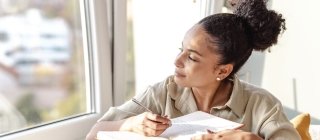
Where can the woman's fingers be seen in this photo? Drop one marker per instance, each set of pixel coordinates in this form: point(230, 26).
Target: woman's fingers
point(158, 118)
point(155, 125)
point(203, 137)
point(228, 132)
point(150, 124)
point(147, 131)
point(227, 135)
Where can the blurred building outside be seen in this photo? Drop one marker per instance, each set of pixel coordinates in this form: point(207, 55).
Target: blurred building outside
point(41, 63)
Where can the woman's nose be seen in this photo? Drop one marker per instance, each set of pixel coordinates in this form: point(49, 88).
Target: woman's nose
point(179, 61)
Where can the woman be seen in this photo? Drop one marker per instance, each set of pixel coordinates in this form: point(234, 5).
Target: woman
point(212, 52)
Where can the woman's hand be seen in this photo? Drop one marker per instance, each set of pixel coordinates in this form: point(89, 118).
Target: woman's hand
point(228, 135)
point(147, 123)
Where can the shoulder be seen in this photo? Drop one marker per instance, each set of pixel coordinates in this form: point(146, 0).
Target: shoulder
point(159, 91)
point(159, 88)
point(265, 106)
point(258, 94)
point(166, 88)
point(162, 85)
point(261, 102)
point(251, 99)
point(267, 112)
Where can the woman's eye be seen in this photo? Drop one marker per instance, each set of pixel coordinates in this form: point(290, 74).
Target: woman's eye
point(192, 58)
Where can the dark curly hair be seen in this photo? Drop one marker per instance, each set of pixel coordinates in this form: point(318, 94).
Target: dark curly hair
point(251, 27)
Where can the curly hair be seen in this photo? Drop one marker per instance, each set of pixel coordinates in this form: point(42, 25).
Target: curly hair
point(251, 27)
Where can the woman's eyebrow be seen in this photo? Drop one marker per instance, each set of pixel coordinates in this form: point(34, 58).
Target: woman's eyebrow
point(193, 51)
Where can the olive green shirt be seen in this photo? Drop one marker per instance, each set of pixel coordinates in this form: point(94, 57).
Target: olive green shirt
point(259, 111)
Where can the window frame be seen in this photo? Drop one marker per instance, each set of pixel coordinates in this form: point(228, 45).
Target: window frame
point(98, 41)
point(120, 45)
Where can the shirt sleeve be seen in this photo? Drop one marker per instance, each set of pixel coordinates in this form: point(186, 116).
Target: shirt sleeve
point(154, 98)
point(278, 127)
point(129, 108)
point(281, 131)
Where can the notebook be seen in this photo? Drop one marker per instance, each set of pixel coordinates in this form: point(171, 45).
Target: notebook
point(124, 135)
point(184, 127)
point(197, 123)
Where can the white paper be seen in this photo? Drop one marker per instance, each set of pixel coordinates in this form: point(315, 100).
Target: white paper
point(197, 123)
point(182, 128)
point(123, 135)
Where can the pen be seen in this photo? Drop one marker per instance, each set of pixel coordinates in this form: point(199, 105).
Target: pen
point(138, 103)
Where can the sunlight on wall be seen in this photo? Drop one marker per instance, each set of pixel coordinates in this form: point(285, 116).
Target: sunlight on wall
point(293, 66)
point(159, 27)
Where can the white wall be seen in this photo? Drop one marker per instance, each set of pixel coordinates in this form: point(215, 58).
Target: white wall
point(296, 57)
point(159, 27)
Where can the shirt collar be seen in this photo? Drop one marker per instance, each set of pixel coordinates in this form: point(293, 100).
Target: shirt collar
point(238, 98)
point(184, 100)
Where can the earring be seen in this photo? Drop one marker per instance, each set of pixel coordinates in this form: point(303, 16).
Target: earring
point(218, 79)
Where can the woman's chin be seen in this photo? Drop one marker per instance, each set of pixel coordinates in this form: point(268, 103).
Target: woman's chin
point(180, 81)
point(176, 78)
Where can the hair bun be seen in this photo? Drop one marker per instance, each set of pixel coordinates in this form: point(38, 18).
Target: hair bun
point(264, 25)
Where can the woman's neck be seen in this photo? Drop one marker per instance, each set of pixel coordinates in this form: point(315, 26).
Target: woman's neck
point(208, 97)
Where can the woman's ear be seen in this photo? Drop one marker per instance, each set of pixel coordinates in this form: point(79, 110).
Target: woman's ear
point(224, 71)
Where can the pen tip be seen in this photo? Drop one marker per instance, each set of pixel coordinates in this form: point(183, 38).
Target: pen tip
point(210, 132)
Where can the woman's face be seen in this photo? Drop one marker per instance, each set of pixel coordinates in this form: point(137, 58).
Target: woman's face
point(196, 65)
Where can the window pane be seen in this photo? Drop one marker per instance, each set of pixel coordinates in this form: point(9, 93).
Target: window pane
point(42, 75)
point(155, 32)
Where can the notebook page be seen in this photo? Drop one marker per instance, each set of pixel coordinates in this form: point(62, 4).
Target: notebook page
point(198, 122)
point(123, 135)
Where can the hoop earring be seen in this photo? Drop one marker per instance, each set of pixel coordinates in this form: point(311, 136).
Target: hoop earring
point(218, 79)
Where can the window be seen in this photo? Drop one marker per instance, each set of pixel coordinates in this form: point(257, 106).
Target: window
point(54, 57)
point(41, 84)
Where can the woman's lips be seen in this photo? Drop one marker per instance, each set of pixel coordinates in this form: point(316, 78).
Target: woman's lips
point(179, 74)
